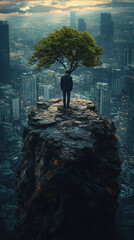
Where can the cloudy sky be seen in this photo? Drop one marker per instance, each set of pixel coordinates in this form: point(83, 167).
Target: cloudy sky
point(14, 7)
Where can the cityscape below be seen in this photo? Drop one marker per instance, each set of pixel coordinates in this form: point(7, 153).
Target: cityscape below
point(109, 86)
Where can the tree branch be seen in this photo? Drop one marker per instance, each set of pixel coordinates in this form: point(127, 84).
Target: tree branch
point(74, 68)
point(58, 60)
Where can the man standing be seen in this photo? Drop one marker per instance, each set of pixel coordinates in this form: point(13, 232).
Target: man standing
point(66, 86)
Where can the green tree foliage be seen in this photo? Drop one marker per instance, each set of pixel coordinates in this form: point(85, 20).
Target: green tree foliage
point(68, 47)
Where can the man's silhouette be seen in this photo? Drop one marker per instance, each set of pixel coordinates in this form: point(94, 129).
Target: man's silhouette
point(66, 86)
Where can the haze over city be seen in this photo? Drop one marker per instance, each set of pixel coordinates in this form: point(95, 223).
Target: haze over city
point(110, 86)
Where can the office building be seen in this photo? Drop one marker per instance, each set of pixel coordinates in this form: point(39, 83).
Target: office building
point(87, 81)
point(105, 39)
point(117, 83)
point(128, 57)
point(106, 25)
point(129, 82)
point(29, 90)
point(51, 92)
point(72, 20)
point(131, 124)
point(117, 86)
point(15, 108)
point(102, 73)
point(102, 95)
point(124, 118)
point(45, 92)
point(81, 25)
point(5, 112)
point(4, 53)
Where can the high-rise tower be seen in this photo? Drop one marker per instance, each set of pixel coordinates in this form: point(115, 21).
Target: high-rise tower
point(29, 90)
point(103, 98)
point(4, 53)
point(128, 57)
point(72, 20)
point(81, 25)
point(106, 25)
point(106, 38)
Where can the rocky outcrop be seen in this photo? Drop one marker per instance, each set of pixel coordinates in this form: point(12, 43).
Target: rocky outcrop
point(67, 182)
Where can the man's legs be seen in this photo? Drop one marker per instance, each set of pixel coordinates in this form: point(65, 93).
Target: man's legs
point(64, 98)
point(68, 98)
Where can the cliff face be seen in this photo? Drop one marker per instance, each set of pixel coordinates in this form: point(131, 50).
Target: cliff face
point(67, 182)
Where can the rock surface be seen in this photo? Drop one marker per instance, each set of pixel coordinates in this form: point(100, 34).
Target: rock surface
point(68, 179)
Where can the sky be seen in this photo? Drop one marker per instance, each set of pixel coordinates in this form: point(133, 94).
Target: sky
point(31, 7)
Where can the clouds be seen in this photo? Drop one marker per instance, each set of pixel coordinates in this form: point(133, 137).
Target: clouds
point(33, 6)
point(40, 9)
point(10, 8)
point(46, 6)
point(26, 8)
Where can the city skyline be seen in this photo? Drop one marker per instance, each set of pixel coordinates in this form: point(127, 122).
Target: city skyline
point(109, 86)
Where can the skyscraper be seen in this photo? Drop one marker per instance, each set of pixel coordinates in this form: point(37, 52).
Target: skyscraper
point(128, 57)
point(29, 90)
point(4, 53)
point(117, 83)
point(15, 108)
point(106, 25)
point(4, 111)
point(103, 98)
point(45, 92)
point(72, 20)
point(105, 39)
point(81, 25)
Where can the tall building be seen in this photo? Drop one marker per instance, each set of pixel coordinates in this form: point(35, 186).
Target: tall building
point(4, 53)
point(106, 25)
point(72, 20)
point(102, 96)
point(105, 39)
point(15, 108)
point(29, 90)
point(128, 57)
point(81, 25)
point(5, 112)
point(102, 74)
point(124, 118)
point(45, 92)
point(131, 124)
point(117, 83)
point(129, 78)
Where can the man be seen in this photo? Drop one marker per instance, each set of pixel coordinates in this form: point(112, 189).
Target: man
point(66, 86)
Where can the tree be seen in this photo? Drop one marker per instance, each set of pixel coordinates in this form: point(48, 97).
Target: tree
point(69, 47)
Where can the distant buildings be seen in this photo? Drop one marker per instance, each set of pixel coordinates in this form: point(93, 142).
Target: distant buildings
point(87, 83)
point(102, 73)
point(124, 118)
point(4, 53)
point(105, 39)
point(131, 125)
point(128, 57)
point(9, 104)
point(81, 25)
point(72, 20)
point(15, 109)
point(29, 90)
point(129, 75)
point(102, 95)
point(106, 25)
point(117, 83)
point(5, 112)
point(45, 92)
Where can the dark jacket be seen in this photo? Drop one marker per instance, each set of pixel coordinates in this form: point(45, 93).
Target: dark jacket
point(66, 83)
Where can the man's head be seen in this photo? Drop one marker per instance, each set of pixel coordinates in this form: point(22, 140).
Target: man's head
point(67, 71)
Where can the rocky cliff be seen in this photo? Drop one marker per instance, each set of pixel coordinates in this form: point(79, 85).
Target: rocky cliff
point(68, 179)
